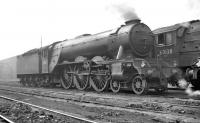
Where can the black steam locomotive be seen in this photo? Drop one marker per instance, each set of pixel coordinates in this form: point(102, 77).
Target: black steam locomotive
point(122, 58)
point(178, 46)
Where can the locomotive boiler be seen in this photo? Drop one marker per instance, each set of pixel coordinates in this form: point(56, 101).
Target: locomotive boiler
point(179, 47)
point(121, 58)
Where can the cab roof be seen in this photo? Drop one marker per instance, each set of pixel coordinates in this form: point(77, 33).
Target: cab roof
point(173, 27)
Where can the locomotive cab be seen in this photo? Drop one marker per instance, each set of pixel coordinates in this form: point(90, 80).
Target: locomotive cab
point(178, 47)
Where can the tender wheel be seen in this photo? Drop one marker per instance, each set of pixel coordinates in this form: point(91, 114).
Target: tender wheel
point(139, 85)
point(66, 80)
point(29, 81)
point(41, 81)
point(115, 86)
point(34, 81)
point(25, 82)
point(99, 82)
point(22, 81)
point(81, 81)
point(37, 81)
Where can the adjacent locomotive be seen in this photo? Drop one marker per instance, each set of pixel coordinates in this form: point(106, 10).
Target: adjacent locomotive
point(179, 48)
point(121, 58)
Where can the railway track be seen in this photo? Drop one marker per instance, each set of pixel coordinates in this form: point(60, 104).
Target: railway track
point(138, 110)
point(66, 114)
point(127, 108)
point(98, 104)
point(152, 102)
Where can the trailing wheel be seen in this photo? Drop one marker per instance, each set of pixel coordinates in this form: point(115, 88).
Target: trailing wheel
point(66, 80)
point(115, 86)
point(139, 85)
point(55, 79)
point(81, 81)
point(100, 82)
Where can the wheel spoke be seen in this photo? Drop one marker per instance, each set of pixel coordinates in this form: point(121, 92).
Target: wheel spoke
point(81, 81)
point(66, 80)
point(100, 82)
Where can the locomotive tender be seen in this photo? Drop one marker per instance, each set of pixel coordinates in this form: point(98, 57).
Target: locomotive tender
point(179, 47)
point(121, 58)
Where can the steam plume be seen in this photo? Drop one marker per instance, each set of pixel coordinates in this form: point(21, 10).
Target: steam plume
point(194, 4)
point(192, 92)
point(183, 83)
point(126, 12)
point(188, 89)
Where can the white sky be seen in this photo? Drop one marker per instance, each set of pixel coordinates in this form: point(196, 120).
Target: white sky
point(23, 22)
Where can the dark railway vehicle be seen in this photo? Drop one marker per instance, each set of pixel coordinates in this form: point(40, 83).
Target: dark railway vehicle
point(122, 58)
point(179, 47)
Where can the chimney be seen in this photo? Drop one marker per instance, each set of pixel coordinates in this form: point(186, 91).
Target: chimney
point(132, 21)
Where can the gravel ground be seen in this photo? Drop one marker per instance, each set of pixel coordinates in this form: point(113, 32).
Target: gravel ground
point(22, 113)
point(93, 113)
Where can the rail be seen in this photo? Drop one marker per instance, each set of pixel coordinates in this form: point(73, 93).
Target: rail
point(4, 119)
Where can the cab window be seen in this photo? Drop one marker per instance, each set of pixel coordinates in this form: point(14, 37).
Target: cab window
point(161, 39)
point(168, 38)
point(164, 39)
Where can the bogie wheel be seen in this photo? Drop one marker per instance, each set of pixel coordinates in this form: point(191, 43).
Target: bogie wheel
point(66, 80)
point(99, 82)
point(81, 81)
point(115, 86)
point(139, 85)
